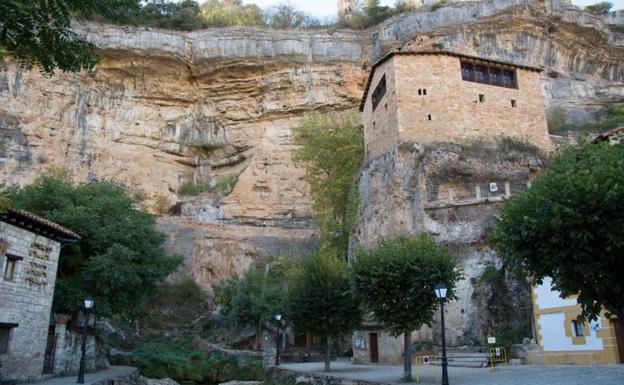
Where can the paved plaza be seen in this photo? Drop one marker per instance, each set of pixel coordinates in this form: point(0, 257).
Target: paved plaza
point(504, 375)
point(111, 375)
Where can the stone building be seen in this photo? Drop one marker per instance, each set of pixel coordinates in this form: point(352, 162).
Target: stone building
point(29, 254)
point(448, 137)
point(562, 339)
point(442, 96)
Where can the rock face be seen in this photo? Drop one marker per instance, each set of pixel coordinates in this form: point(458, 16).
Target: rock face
point(167, 109)
point(451, 192)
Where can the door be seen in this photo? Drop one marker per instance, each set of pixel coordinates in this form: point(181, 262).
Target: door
point(618, 326)
point(48, 361)
point(374, 348)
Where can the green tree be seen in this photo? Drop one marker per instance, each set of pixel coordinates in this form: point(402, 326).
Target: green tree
point(332, 148)
point(38, 33)
point(119, 259)
point(285, 16)
point(251, 299)
point(321, 300)
point(224, 13)
point(184, 15)
point(396, 281)
point(601, 8)
point(569, 226)
point(375, 12)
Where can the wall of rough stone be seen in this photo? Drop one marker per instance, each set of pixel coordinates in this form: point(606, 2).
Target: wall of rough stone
point(27, 301)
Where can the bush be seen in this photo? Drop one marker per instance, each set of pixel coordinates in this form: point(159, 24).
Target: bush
point(556, 120)
point(508, 144)
point(181, 360)
point(437, 5)
point(192, 189)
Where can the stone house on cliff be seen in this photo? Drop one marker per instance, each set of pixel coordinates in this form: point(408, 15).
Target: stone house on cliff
point(29, 255)
point(435, 99)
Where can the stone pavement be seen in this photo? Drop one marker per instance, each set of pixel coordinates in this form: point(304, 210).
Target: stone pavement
point(118, 375)
point(503, 375)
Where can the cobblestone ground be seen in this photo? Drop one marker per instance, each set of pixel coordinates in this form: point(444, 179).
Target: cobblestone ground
point(504, 375)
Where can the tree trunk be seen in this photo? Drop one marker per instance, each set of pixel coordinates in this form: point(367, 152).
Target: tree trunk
point(407, 356)
point(258, 335)
point(327, 353)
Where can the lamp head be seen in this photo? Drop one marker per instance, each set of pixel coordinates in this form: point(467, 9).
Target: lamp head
point(440, 291)
point(278, 317)
point(88, 302)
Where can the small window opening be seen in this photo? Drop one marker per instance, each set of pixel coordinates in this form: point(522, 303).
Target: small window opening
point(10, 267)
point(578, 328)
point(419, 91)
point(513, 103)
point(5, 334)
point(481, 98)
point(425, 91)
point(379, 92)
point(429, 117)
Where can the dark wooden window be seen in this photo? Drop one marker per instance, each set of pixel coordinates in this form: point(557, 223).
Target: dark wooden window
point(379, 92)
point(491, 74)
point(467, 70)
point(513, 103)
point(10, 266)
point(481, 98)
point(424, 91)
point(5, 334)
point(578, 328)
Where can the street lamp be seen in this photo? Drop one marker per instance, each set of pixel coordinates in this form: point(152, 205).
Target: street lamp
point(278, 318)
point(440, 292)
point(88, 305)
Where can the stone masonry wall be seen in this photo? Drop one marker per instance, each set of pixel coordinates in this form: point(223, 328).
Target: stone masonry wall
point(429, 102)
point(381, 122)
point(27, 301)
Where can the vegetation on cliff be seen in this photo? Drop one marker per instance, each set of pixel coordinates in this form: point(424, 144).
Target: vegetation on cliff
point(569, 226)
point(332, 149)
point(610, 116)
point(119, 259)
point(396, 279)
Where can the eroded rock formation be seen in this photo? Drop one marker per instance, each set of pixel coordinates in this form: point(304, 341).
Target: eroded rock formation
point(164, 109)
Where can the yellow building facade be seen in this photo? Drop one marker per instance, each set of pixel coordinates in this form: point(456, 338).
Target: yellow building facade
point(564, 340)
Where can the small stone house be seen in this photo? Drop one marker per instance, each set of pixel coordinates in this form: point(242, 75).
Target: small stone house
point(441, 96)
point(29, 255)
point(562, 339)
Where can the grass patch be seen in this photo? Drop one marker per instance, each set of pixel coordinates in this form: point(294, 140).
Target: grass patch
point(508, 144)
point(224, 186)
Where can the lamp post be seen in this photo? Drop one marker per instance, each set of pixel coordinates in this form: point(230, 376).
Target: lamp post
point(88, 305)
point(278, 340)
point(440, 292)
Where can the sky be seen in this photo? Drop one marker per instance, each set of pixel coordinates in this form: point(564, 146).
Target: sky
point(327, 8)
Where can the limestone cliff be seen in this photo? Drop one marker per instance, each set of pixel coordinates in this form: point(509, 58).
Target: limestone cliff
point(167, 108)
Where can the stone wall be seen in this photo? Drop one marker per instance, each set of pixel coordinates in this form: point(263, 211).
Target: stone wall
point(427, 101)
point(26, 301)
